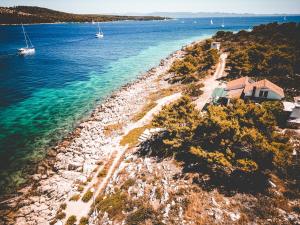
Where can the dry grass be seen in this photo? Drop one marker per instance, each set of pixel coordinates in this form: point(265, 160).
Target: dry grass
point(144, 111)
point(165, 92)
point(102, 173)
point(109, 129)
point(197, 204)
point(131, 139)
point(153, 97)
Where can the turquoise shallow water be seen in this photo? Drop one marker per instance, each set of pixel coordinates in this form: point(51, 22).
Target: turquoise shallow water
point(42, 97)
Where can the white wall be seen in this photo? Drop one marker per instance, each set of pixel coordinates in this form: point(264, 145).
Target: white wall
point(271, 94)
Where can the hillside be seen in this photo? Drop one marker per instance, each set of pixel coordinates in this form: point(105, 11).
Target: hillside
point(28, 15)
point(270, 51)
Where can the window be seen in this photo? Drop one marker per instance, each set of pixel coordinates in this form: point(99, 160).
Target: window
point(263, 94)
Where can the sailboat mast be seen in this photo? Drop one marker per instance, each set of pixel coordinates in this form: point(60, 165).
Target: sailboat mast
point(25, 36)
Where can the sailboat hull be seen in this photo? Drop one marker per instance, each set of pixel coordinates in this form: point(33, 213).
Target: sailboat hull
point(26, 51)
point(99, 36)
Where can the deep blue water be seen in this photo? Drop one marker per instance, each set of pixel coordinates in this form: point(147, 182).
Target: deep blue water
point(42, 97)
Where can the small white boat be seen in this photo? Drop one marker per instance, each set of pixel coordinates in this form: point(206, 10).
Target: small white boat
point(211, 22)
point(93, 22)
point(29, 49)
point(223, 25)
point(100, 33)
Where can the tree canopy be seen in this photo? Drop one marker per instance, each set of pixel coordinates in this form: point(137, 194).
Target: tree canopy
point(270, 51)
point(239, 138)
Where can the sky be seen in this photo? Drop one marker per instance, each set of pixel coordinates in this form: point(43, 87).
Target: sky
point(146, 6)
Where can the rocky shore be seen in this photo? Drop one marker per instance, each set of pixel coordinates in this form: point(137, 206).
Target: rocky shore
point(78, 155)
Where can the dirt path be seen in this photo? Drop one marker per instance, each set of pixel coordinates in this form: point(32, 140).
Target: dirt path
point(211, 83)
point(80, 208)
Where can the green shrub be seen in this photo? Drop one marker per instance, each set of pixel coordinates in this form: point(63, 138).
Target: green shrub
point(75, 197)
point(71, 220)
point(87, 196)
point(140, 216)
point(60, 215)
point(83, 221)
point(113, 204)
point(80, 188)
point(131, 139)
point(128, 183)
point(63, 206)
point(102, 173)
point(193, 90)
point(238, 140)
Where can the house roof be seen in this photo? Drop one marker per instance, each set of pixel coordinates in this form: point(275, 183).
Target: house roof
point(238, 83)
point(235, 93)
point(265, 84)
point(219, 93)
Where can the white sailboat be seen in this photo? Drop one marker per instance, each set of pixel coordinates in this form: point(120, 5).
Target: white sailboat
point(223, 25)
point(29, 49)
point(211, 22)
point(100, 33)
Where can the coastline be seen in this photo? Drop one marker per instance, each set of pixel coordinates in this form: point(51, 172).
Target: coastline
point(87, 22)
point(77, 155)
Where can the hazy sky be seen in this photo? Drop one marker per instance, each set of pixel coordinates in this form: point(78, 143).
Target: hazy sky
point(144, 6)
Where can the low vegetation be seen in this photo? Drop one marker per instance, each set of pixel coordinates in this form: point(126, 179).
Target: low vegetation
point(113, 204)
point(270, 51)
point(71, 220)
point(237, 141)
point(102, 173)
point(75, 197)
point(196, 64)
point(112, 128)
point(128, 183)
point(29, 14)
point(140, 215)
point(193, 90)
point(87, 196)
point(83, 221)
point(131, 139)
point(144, 111)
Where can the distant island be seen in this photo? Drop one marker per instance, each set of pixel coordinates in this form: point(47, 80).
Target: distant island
point(31, 15)
point(205, 14)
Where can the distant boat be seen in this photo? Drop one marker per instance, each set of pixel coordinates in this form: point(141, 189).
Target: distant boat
point(93, 22)
point(223, 25)
point(29, 49)
point(100, 33)
point(211, 22)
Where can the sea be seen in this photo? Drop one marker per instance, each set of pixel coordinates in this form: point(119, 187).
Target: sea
point(45, 95)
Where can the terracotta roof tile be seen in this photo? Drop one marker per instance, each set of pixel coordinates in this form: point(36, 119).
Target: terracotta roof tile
point(238, 83)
